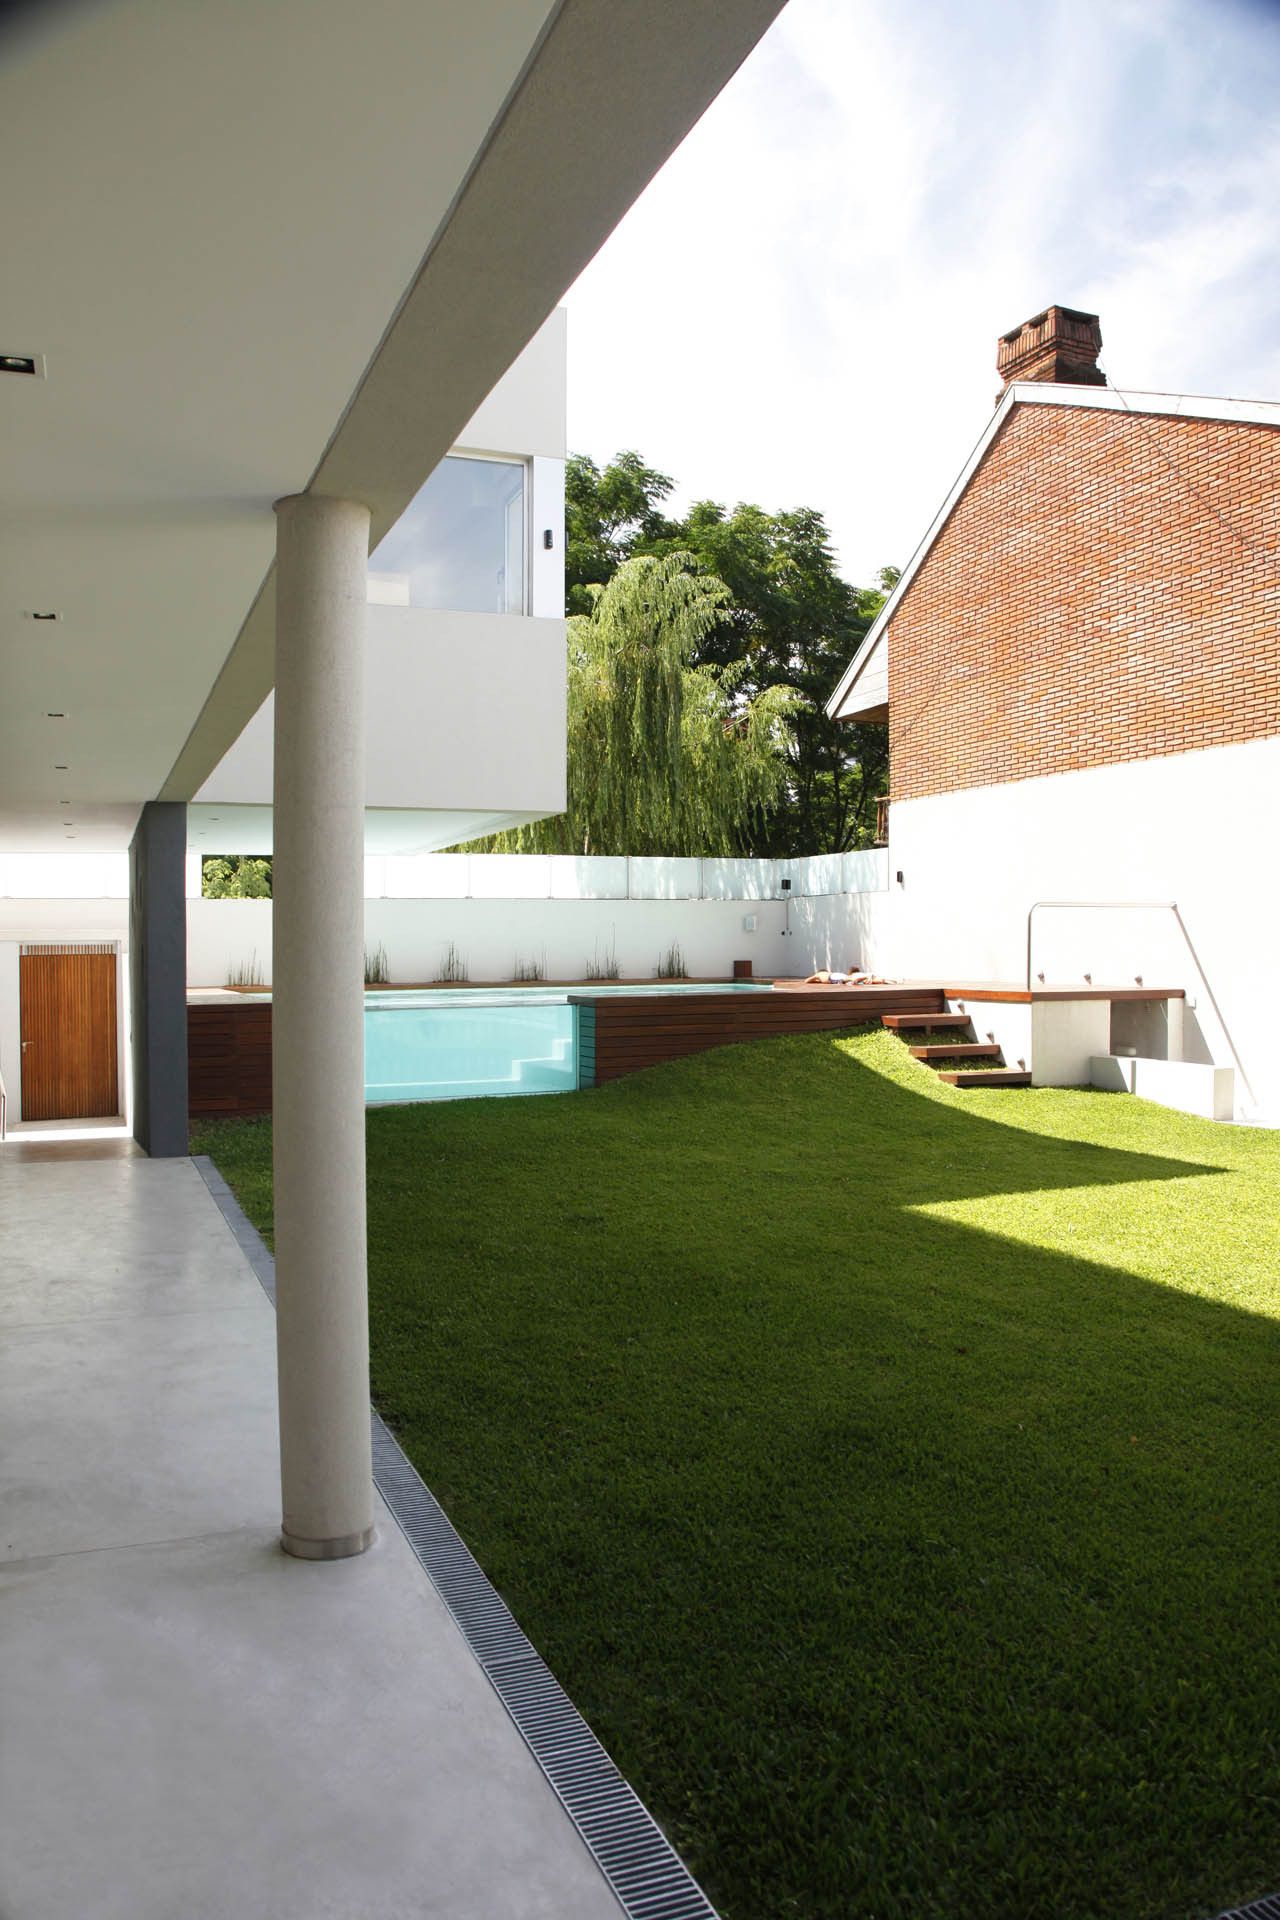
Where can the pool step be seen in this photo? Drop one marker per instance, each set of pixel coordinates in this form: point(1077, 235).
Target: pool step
point(554, 1072)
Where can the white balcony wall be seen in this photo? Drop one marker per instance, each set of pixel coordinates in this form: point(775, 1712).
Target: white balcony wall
point(466, 713)
point(466, 710)
point(525, 413)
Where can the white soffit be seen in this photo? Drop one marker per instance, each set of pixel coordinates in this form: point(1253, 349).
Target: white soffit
point(214, 827)
point(844, 702)
point(261, 248)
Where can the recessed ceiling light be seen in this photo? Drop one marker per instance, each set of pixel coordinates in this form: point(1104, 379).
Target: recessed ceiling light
point(55, 716)
point(28, 363)
point(59, 767)
point(34, 613)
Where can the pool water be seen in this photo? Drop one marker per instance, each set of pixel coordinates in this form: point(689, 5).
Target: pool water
point(480, 1042)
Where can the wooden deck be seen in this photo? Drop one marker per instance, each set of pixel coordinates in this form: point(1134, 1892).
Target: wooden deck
point(229, 1041)
point(627, 1033)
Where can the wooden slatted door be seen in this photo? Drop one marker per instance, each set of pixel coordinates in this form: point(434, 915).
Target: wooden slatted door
point(70, 1069)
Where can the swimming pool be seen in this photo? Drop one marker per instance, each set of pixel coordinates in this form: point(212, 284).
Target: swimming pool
point(465, 1043)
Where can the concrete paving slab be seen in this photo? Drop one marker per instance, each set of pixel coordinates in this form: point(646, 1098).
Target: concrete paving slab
point(114, 1432)
point(193, 1722)
point(213, 1729)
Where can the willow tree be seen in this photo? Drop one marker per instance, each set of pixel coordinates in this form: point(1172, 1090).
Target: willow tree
point(665, 757)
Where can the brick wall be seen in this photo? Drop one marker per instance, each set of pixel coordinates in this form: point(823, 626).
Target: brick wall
point(1107, 589)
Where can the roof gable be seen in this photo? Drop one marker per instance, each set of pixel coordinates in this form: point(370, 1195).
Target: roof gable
point(867, 671)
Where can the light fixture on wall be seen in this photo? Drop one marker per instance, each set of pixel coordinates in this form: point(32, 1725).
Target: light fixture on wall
point(548, 538)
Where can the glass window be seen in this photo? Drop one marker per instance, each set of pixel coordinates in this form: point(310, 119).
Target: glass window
point(460, 544)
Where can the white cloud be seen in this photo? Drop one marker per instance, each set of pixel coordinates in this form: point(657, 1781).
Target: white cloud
point(803, 309)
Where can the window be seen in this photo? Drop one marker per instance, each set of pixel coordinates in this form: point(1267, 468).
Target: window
point(460, 544)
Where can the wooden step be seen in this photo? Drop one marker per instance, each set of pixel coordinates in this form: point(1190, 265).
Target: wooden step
point(975, 1077)
point(923, 1022)
point(958, 1050)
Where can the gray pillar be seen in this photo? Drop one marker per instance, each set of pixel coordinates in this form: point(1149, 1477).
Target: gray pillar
point(317, 871)
point(158, 978)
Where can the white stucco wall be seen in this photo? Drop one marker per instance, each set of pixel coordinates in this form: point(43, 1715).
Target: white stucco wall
point(525, 413)
point(500, 909)
point(465, 712)
point(494, 935)
point(1195, 828)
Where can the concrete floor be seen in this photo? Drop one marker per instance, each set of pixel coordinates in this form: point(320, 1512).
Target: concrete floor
point(192, 1722)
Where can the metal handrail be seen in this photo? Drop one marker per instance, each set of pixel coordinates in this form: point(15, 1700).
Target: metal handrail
point(1166, 906)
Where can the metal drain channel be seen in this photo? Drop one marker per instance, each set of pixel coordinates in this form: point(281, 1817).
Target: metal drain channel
point(1268, 1908)
point(647, 1875)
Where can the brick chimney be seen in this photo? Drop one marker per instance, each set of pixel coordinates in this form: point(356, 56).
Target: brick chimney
point(1058, 345)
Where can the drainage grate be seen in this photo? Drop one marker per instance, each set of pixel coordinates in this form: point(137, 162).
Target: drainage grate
point(1268, 1908)
point(647, 1875)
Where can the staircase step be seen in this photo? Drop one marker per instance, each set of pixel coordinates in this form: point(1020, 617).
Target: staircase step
point(922, 1022)
point(975, 1077)
point(958, 1050)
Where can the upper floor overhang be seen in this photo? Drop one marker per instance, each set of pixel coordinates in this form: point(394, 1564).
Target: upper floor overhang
point(253, 251)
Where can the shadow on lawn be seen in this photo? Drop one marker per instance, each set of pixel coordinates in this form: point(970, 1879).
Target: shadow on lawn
point(846, 1117)
point(907, 1568)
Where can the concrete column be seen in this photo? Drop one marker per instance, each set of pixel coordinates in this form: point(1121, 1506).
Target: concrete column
point(318, 1027)
point(158, 978)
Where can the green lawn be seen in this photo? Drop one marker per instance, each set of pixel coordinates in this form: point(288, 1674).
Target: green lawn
point(891, 1474)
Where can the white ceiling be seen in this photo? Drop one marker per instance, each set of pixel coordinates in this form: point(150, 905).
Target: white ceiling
point(261, 247)
point(219, 209)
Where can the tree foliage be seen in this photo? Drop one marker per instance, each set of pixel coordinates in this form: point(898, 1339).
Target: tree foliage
point(668, 754)
point(789, 621)
point(235, 876)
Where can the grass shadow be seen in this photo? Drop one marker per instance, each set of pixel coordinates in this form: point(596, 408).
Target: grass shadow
point(891, 1479)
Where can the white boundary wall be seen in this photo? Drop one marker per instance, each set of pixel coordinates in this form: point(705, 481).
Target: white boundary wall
point(503, 911)
point(1197, 828)
point(498, 910)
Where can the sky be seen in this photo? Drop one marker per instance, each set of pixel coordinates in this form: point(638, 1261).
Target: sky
point(803, 308)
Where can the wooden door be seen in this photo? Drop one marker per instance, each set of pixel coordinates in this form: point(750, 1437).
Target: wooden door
point(69, 1060)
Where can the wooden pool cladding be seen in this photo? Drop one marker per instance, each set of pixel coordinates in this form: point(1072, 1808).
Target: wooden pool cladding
point(229, 1059)
point(229, 1042)
point(626, 1033)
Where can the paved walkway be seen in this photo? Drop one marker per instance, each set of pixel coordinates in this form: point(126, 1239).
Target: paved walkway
point(193, 1724)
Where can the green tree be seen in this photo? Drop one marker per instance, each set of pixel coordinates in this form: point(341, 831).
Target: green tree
point(790, 620)
point(666, 755)
point(607, 516)
point(235, 876)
